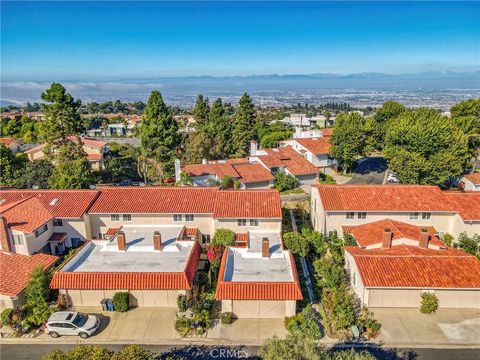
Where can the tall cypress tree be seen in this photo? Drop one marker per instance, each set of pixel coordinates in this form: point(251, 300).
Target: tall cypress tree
point(200, 112)
point(159, 136)
point(220, 130)
point(244, 126)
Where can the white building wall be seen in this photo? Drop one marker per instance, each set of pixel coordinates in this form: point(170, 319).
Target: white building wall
point(270, 225)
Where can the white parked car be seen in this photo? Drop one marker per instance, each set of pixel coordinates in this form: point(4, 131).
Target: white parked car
point(392, 178)
point(71, 323)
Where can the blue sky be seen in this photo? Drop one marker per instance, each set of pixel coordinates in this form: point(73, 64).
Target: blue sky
point(126, 40)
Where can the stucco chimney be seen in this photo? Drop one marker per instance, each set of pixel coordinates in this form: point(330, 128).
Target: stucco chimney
point(5, 235)
point(423, 243)
point(121, 241)
point(387, 238)
point(157, 241)
point(253, 148)
point(204, 161)
point(298, 132)
point(265, 248)
point(177, 169)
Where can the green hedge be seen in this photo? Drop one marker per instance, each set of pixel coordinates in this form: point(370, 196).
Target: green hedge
point(120, 301)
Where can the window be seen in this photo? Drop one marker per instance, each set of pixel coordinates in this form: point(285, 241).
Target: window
point(177, 217)
point(253, 222)
point(101, 235)
point(413, 216)
point(76, 241)
point(350, 215)
point(18, 239)
point(41, 230)
point(362, 215)
point(242, 222)
point(426, 215)
point(115, 217)
point(57, 222)
point(205, 238)
point(127, 217)
point(189, 217)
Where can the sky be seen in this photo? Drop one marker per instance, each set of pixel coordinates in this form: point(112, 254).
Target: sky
point(81, 41)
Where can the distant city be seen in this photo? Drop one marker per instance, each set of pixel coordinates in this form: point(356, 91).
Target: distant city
point(431, 89)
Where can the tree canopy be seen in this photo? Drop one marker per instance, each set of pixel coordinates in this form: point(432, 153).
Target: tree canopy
point(425, 148)
point(244, 126)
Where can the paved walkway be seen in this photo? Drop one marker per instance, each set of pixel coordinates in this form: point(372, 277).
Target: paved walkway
point(156, 326)
point(445, 327)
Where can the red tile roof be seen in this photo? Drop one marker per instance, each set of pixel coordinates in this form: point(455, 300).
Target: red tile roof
point(130, 280)
point(327, 131)
point(112, 231)
point(98, 144)
point(57, 236)
point(6, 140)
point(191, 231)
point(242, 290)
point(382, 198)
point(248, 204)
point(26, 215)
point(467, 204)
point(317, 146)
point(15, 270)
point(70, 204)
point(474, 177)
point(94, 157)
point(219, 169)
point(287, 157)
point(190, 200)
point(372, 233)
point(410, 266)
point(251, 173)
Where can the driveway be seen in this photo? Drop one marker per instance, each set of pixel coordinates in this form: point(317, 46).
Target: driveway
point(370, 171)
point(157, 326)
point(447, 326)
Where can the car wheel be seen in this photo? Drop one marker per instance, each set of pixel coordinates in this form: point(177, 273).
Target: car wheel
point(53, 334)
point(83, 335)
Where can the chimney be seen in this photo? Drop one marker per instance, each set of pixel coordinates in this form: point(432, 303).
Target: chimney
point(5, 235)
point(387, 238)
point(177, 170)
point(423, 243)
point(265, 248)
point(253, 148)
point(157, 241)
point(121, 240)
point(204, 161)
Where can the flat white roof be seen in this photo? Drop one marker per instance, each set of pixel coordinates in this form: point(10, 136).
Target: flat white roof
point(139, 256)
point(247, 264)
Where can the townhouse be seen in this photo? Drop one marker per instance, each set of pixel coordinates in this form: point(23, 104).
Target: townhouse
point(284, 159)
point(251, 176)
point(10, 143)
point(395, 262)
point(470, 182)
point(258, 279)
point(335, 206)
point(316, 150)
point(95, 150)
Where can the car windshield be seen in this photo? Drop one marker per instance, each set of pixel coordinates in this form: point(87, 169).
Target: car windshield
point(80, 320)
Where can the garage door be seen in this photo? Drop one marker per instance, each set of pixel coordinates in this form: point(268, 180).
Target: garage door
point(394, 298)
point(458, 299)
point(154, 298)
point(258, 309)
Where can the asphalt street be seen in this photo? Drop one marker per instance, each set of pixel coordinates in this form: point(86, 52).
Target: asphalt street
point(36, 351)
point(370, 171)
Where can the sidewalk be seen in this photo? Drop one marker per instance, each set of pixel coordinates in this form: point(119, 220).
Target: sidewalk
point(157, 326)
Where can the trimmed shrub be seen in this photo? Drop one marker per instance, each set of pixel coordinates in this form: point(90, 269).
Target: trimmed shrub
point(6, 317)
point(183, 326)
point(306, 323)
point(429, 303)
point(120, 301)
point(226, 318)
point(223, 237)
point(182, 303)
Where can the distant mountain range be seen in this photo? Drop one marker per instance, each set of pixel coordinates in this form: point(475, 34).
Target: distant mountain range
point(178, 88)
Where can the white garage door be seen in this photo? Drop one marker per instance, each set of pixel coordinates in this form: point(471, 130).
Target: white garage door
point(246, 309)
point(458, 299)
point(394, 298)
